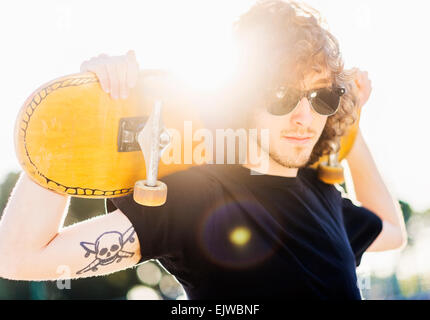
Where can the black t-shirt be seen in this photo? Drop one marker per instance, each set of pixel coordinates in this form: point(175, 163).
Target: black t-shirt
point(225, 233)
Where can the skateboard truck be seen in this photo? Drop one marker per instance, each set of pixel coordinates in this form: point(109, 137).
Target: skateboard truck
point(331, 172)
point(153, 140)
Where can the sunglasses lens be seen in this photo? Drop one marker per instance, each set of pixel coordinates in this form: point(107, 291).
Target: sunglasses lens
point(286, 101)
point(280, 108)
point(325, 101)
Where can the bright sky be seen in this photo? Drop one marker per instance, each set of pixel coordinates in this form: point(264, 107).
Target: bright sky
point(46, 39)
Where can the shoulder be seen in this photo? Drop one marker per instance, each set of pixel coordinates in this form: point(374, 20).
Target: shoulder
point(196, 178)
point(355, 213)
point(191, 186)
point(330, 193)
point(185, 188)
point(308, 173)
point(310, 176)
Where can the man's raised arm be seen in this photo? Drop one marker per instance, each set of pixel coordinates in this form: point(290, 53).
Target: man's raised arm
point(35, 246)
point(370, 188)
point(33, 243)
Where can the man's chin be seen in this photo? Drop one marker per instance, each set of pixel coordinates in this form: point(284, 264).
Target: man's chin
point(293, 163)
point(300, 160)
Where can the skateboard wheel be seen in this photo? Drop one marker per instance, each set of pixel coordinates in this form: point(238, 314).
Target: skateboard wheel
point(330, 174)
point(150, 196)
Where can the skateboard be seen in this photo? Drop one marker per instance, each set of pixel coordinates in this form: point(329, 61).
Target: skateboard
point(72, 138)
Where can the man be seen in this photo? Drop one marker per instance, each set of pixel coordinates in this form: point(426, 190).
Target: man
point(226, 232)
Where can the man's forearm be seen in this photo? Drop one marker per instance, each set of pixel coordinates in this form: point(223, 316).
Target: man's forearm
point(32, 217)
point(369, 186)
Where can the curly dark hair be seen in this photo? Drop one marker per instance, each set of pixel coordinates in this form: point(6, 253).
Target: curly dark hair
point(278, 35)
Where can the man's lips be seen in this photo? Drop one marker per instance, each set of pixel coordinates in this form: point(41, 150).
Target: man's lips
point(298, 140)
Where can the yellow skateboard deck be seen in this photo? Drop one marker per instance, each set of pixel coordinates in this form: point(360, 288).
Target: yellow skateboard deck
point(73, 138)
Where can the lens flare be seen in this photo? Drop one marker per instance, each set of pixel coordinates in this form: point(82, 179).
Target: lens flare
point(230, 239)
point(149, 273)
point(140, 292)
point(240, 236)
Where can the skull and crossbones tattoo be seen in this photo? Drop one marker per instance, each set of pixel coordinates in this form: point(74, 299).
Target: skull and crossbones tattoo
point(107, 249)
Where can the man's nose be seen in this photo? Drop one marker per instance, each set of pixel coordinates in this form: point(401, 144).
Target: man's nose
point(302, 114)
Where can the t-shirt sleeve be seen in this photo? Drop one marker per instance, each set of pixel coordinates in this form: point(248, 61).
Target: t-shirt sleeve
point(362, 227)
point(166, 230)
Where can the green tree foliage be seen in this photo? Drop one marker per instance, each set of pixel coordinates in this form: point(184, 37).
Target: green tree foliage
point(406, 209)
point(6, 188)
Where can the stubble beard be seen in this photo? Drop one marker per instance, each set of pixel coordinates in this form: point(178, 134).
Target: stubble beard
point(293, 162)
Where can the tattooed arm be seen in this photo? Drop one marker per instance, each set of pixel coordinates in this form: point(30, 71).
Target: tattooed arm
point(35, 246)
point(33, 242)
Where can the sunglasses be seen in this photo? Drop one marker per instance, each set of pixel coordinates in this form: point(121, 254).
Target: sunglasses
point(324, 101)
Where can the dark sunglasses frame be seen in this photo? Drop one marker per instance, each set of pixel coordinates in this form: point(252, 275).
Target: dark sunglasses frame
point(331, 93)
